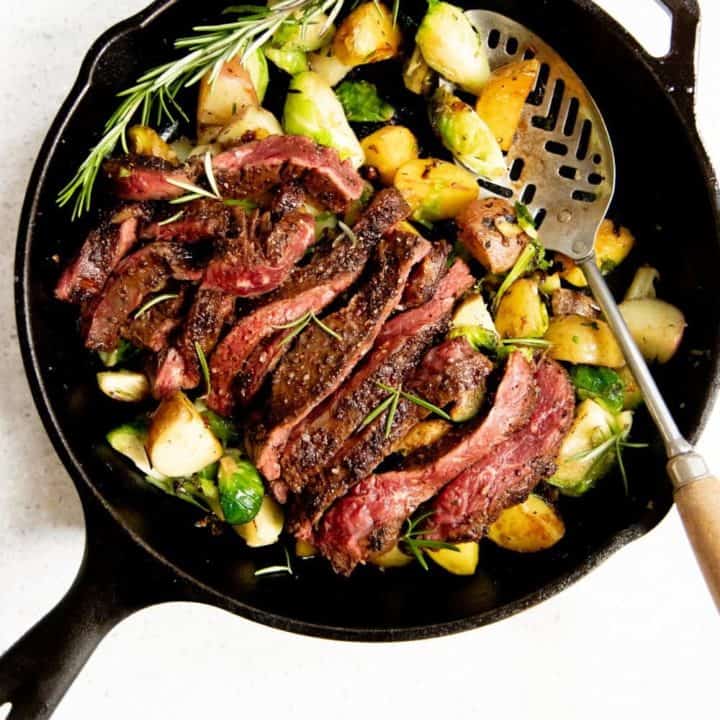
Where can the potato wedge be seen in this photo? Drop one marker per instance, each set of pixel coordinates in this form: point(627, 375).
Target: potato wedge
point(612, 245)
point(304, 549)
point(250, 120)
point(522, 312)
point(219, 102)
point(435, 189)
point(393, 558)
point(179, 442)
point(422, 435)
point(265, 528)
point(388, 149)
point(124, 385)
point(464, 561)
point(326, 64)
point(578, 340)
point(502, 100)
point(530, 527)
point(143, 140)
point(367, 35)
point(657, 327)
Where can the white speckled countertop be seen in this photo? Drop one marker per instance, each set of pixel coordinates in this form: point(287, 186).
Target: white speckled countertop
point(638, 636)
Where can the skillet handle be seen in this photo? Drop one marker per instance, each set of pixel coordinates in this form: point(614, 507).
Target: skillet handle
point(114, 581)
point(677, 69)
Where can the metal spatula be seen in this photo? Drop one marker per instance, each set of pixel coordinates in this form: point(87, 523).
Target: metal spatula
point(562, 167)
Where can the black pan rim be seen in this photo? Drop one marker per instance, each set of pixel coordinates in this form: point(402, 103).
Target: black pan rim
point(34, 373)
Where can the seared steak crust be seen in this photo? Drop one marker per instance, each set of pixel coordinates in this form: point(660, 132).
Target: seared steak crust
point(138, 177)
point(426, 276)
point(202, 219)
point(152, 329)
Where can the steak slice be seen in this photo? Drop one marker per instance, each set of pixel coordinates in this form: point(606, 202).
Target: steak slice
point(202, 219)
point(253, 169)
point(426, 276)
point(249, 264)
point(99, 255)
point(259, 365)
point(446, 372)
point(506, 475)
point(143, 273)
point(180, 368)
point(320, 362)
point(316, 441)
point(152, 329)
point(288, 197)
point(137, 177)
point(369, 518)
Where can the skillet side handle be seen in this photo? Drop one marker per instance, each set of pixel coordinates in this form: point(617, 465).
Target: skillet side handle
point(677, 69)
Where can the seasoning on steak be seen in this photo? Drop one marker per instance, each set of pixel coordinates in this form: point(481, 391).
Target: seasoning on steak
point(179, 368)
point(152, 329)
point(263, 360)
point(253, 169)
point(144, 272)
point(446, 372)
point(507, 474)
point(99, 255)
point(572, 302)
point(251, 263)
point(489, 230)
point(288, 197)
point(319, 362)
point(315, 441)
point(426, 275)
point(137, 177)
point(369, 518)
point(202, 219)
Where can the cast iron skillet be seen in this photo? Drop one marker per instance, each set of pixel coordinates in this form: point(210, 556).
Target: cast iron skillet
point(141, 546)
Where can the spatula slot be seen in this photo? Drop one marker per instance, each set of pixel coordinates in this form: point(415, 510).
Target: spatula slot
point(493, 39)
point(556, 148)
point(528, 194)
point(540, 218)
point(537, 96)
point(595, 179)
point(512, 45)
point(516, 169)
point(571, 118)
point(584, 144)
point(495, 189)
point(584, 196)
point(567, 172)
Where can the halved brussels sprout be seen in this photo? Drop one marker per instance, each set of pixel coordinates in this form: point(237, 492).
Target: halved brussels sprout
point(291, 61)
point(326, 64)
point(241, 489)
point(129, 440)
point(472, 320)
point(417, 74)
point(643, 284)
point(450, 45)
point(312, 109)
point(265, 528)
point(601, 384)
point(361, 102)
point(124, 385)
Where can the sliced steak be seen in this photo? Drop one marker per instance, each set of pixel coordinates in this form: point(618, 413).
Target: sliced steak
point(179, 368)
point(507, 474)
point(99, 255)
point(571, 302)
point(200, 220)
point(319, 362)
point(258, 366)
point(426, 275)
point(152, 329)
point(446, 372)
point(315, 442)
point(248, 264)
point(386, 209)
point(141, 274)
point(138, 177)
point(288, 197)
point(253, 169)
point(489, 230)
point(369, 518)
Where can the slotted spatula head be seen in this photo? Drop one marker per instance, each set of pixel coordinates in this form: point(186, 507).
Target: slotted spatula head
point(561, 164)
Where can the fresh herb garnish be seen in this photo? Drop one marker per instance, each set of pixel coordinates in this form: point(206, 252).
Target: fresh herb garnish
point(274, 569)
point(203, 366)
point(243, 203)
point(415, 541)
point(194, 192)
point(171, 219)
point(526, 221)
point(348, 232)
point(297, 326)
point(155, 92)
point(154, 301)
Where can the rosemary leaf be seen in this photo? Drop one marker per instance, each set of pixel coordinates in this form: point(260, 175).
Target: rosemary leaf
point(154, 301)
point(379, 410)
point(210, 175)
point(203, 366)
point(395, 399)
point(324, 327)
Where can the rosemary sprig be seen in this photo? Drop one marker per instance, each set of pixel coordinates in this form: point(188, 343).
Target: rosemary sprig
point(297, 326)
point(155, 92)
point(415, 541)
point(153, 302)
point(172, 218)
point(274, 569)
point(203, 366)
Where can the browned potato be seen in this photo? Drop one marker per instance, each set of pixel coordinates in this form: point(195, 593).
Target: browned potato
point(253, 121)
point(490, 231)
point(522, 312)
point(393, 558)
point(502, 100)
point(582, 341)
point(388, 149)
point(422, 435)
point(529, 527)
point(367, 35)
point(218, 103)
point(463, 561)
point(143, 140)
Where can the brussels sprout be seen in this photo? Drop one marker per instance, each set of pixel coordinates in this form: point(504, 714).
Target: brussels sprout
point(257, 68)
point(123, 352)
point(223, 428)
point(632, 395)
point(241, 489)
point(124, 385)
point(601, 384)
point(265, 528)
point(312, 109)
point(291, 61)
point(464, 133)
point(311, 34)
point(473, 321)
point(129, 440)
point(361, 102)
point(326, 64)
point(418, 76)
point(450, 45)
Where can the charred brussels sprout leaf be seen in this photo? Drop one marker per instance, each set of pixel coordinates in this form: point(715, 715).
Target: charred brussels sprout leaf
point(600, 384)
point(361, 102)
point(241, 489)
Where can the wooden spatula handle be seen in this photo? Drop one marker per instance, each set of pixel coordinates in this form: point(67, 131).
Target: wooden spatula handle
point(699, 505)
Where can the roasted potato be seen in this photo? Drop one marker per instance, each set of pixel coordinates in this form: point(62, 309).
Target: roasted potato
point(388, 149)
point(257, 121)
point(435, 189)
point(265, 528)
point(305, 549)
point(179, 442)
point(423, 434)
point(503, 98)
point(522, 312)
point(463, 561)
point(578, 340)
point(326, 64)
point(656, 326)
point(549, 283)
point(612, 245)
point(124, 385)
point(393, 558)
point(367, 35)
point(530, 527)
point(143, 140)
